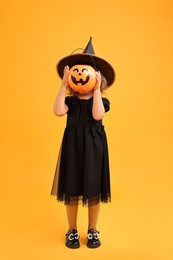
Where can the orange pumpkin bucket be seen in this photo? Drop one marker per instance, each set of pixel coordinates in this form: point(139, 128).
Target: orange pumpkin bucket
point(81, 78)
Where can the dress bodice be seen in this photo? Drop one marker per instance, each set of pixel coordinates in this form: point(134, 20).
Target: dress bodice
point(80, 110)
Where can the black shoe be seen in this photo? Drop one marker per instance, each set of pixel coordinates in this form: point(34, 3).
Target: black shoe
point(93, 238)
point(72, 239)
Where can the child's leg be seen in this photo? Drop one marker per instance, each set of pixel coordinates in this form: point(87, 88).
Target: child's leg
point(72, 236)
point(93, 213)
point(93, 234)
point(72, 216)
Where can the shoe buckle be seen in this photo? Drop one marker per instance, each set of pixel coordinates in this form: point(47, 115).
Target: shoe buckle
point(73, 236)
point(94, 235)
point(76, 236)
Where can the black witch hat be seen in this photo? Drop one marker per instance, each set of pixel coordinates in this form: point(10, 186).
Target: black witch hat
point(88, 57)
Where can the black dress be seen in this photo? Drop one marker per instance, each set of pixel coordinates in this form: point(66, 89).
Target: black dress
point(82, 170)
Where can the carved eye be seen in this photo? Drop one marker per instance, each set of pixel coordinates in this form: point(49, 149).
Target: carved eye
point(84, 69)
point(76, 69)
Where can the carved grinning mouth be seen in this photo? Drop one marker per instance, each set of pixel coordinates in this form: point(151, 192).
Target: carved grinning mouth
point(81, 81)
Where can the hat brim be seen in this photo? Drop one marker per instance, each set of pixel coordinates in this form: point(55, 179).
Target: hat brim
point(96, 62)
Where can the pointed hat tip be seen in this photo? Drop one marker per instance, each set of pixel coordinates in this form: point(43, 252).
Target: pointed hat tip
point(89, 48)
point(90, 40)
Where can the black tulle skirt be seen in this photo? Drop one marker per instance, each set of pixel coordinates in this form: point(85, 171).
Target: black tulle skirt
point(82, 170)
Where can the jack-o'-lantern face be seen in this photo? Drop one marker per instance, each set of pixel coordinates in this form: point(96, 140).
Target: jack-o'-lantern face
point(81, 78)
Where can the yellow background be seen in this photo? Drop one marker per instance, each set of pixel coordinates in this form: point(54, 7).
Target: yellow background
point(136, 38)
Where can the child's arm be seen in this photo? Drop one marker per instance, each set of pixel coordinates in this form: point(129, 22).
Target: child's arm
point(98, 109)
point(60, 108)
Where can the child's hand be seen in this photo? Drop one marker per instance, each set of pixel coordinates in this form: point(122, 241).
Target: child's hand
point(98, 80)
point(65, 76)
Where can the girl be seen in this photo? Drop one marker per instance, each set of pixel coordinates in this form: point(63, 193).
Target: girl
point(82, 171)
